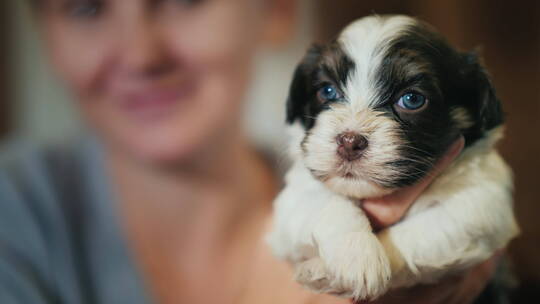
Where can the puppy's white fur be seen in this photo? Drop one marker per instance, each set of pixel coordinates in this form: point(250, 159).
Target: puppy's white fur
point(460, 220)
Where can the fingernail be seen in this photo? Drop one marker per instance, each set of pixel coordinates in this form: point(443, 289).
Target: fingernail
point(457, 146)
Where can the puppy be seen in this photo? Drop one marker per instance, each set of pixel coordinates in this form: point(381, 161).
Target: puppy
point(371, 113)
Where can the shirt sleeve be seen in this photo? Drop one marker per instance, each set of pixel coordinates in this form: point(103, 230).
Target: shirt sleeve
point(23, 254)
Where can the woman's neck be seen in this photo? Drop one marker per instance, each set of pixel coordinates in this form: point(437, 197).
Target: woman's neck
point(198, 225)
point(219, 191)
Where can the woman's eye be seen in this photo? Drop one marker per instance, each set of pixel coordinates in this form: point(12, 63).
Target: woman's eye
point(411, 101)
point(187, 2)
point(328, 93)
point(85, 8)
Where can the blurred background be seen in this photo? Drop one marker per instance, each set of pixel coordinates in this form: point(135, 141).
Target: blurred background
point(34, 106)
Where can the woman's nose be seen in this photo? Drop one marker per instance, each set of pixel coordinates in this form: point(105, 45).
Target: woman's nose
point(143, 50)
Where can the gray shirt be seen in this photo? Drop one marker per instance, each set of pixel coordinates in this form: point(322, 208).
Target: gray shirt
point(60, 240)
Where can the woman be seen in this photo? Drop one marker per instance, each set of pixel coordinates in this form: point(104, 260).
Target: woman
point(168, 203)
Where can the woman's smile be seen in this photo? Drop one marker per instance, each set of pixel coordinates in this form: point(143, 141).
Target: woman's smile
point(152, 104)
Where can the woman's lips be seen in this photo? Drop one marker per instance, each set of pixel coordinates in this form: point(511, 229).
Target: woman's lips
point(150, 105)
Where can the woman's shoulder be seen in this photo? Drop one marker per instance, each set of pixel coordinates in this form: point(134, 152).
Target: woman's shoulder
point(59, 241)
point(37, 186)
point(39, 176)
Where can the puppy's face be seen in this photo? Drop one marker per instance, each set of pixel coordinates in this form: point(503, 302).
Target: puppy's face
point(383, 102)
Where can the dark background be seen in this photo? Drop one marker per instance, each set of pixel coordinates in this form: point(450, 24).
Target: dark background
point(4, 79)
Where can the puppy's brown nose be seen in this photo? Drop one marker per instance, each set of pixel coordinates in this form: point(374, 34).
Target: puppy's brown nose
point(351, 145)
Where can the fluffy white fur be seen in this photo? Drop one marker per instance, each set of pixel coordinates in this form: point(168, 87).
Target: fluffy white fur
point(460, 220)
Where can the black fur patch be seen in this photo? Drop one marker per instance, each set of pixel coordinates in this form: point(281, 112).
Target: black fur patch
point(320, 66)
point(421, 61)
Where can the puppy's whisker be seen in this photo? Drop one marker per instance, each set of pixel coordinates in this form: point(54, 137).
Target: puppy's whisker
point(408, 146)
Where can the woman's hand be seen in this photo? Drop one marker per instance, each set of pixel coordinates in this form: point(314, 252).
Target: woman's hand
point(389, 209)
point(462, 289)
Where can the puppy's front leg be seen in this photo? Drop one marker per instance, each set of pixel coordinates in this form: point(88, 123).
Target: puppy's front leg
point(351, 262)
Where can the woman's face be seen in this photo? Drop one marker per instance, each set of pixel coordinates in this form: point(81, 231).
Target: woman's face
point(159, 79)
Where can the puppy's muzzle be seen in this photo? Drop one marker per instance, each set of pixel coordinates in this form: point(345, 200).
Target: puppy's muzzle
point(351, 145)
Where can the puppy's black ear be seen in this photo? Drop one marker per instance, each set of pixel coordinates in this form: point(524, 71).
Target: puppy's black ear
point(482, 100)
point(300, 89)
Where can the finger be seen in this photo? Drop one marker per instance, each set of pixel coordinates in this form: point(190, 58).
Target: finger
point(387, 210)
point(454, 289)
point(475, 280)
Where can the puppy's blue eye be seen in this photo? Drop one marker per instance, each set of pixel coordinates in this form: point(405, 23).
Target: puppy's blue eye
point(328, 93)
point(411, 101)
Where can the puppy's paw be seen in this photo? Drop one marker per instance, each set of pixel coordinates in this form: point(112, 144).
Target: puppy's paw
point(313, 275)
point(358, 267)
